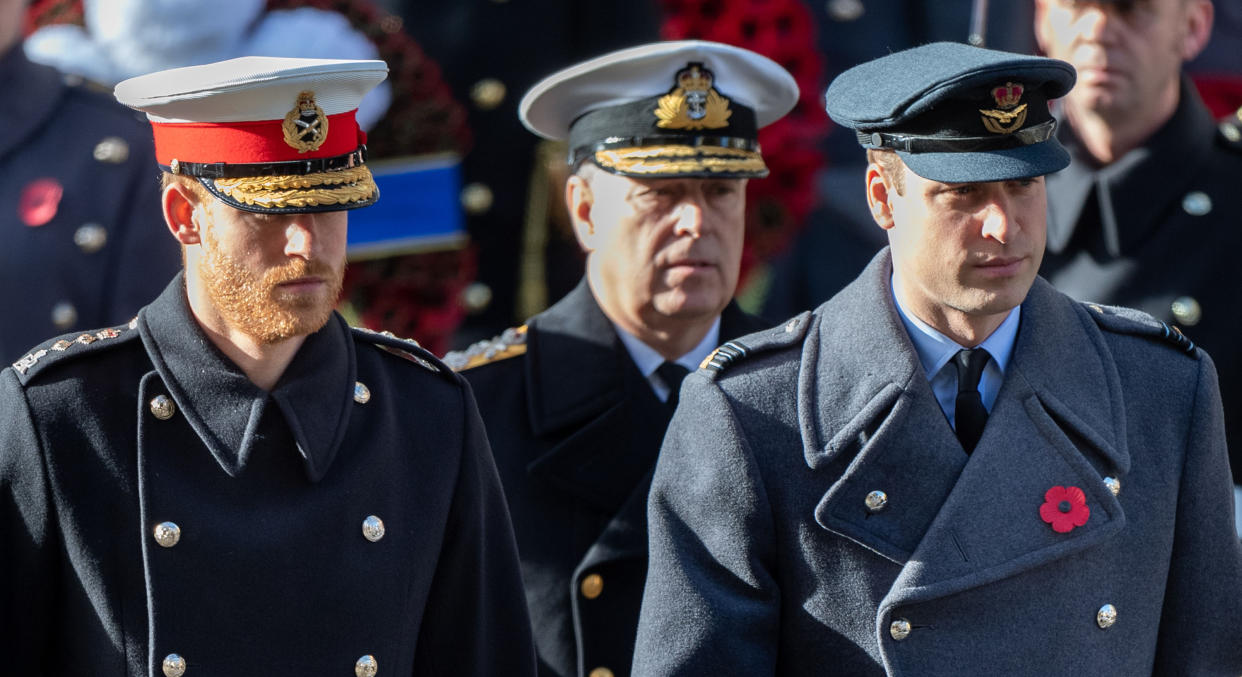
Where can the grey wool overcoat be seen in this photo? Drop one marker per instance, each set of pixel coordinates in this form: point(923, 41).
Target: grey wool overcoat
point(772, 555)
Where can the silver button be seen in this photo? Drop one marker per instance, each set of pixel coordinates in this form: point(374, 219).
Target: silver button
point(477, 198)
point(1106, 616)
point(845, 10)
point(167, 534)
point(899, 629)
point(162, 407)
point(488, 93)
point(366, 666)
point(362, 394)
point(373, 528)
point(476, 297)
point(1187, 311)
point(1113, 484)
point(175, 166)
point(876, 501)
point(1197, 203)
point(174, 665)
point(1231, 132)
point(90, 238)
point(64, 315)
point(113, 150)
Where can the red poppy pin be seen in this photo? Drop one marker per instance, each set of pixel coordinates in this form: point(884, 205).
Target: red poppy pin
point(39, 201)
point(1064, 508)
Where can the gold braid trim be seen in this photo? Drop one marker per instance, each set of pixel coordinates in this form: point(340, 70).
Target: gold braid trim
point(340, 187)
point(256, 183)
point(648, 162)
point(677, 151)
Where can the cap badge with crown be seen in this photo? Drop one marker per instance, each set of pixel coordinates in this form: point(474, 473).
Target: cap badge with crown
point(305, 127)
point(1010, 116)
point(693, 103)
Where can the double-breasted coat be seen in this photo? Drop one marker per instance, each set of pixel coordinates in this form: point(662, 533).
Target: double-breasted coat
point(575, 430)
point(161, 515)
point(1157, 230)
point(812, 510)
point(81, 240)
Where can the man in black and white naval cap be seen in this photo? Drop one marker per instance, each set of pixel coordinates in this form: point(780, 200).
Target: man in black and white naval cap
point(662, 139)
point(236, 482)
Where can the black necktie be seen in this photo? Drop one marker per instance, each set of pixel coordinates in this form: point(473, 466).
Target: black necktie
point(672, 374)
point(969, 416)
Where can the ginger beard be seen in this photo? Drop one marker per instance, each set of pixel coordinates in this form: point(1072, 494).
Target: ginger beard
point(252, 302)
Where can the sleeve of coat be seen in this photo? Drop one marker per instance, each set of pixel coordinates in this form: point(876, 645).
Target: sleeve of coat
point(28, 538)
point(476, 622)
point(1203, 600)
point(711, 605)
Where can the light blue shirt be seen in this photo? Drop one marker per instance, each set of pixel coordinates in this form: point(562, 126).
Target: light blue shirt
point(936, 350)
point(648, 360)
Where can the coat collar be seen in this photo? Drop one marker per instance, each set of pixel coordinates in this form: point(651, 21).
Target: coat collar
point(1156, 173)
point(224, 407)
point(953, 519)
point(40, 88)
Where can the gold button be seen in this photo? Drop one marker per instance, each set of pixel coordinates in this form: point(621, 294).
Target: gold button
point(488, 93)
point(64, 315)
point(899, 629)
point(373, 528)
point(1187, 311)
point(876, 501)
point(1106, 616)
point(162, 407)
point(167, 534)
point(362, 394)
point(477, 198)
point(592, 586)
point(1113, 484)
point(601, 672)
point(90, 238)
point(366, 666)
point(113, 150)
point(174, 665)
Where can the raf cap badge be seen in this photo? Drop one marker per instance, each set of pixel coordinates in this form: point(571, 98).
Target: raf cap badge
point(693, 103)
point(305, 126)
point(1008, 116)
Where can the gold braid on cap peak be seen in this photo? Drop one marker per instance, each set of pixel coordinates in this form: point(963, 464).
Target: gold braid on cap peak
point(680, 159)
point(322, 188)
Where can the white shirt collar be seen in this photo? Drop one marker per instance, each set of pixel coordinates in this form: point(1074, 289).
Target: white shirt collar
point(648, 360)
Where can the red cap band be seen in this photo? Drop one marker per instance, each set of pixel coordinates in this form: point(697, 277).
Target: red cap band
point(248, 142)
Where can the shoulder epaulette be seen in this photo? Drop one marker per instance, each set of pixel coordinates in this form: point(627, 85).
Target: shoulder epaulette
point(72, 346)
point(1131, 321)
point(733, 352)
point(510, 343)
point(407, 349)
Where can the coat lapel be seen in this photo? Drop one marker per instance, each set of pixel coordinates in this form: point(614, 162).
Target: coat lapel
point(587, 398)
point(1058, 421)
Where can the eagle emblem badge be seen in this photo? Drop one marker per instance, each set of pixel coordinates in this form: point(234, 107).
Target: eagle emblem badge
point(1008, 116)
point(693, 103)
point(306, 126)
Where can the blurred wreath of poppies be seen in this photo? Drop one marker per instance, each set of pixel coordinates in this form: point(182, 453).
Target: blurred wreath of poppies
point(415, 295)
point(784, 31)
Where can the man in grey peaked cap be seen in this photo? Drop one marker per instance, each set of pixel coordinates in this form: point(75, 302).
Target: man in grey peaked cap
point(235, 482)
point(949, 468)
point(662, 140)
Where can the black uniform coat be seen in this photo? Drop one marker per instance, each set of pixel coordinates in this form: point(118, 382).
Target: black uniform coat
point(1159, 227)
point(766, 559)
point(575, 429)
point(272, 573)
point(103, 251)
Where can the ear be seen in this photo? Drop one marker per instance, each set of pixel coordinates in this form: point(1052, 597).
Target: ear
point(179, 205)
point(579, 199)
point(1199, 17)
point(877, 197)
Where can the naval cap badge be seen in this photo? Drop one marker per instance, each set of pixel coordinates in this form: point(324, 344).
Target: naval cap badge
point(693, 103)
point(305, 126)
point(1008, 116)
